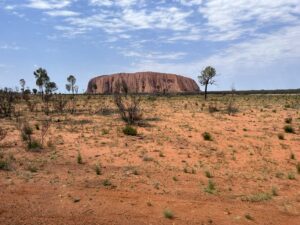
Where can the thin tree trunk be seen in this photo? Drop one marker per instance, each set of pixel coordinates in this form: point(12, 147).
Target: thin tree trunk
point(205, 92)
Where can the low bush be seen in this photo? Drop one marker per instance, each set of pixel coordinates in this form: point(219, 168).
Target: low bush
point(288, 120)
point(289, 129)
point(168, 214)
point(129, 130)
point(207, 136)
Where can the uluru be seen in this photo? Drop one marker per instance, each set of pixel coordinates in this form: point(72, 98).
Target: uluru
point(143, 82)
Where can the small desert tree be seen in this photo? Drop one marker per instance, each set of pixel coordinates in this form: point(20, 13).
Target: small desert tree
point(42, 79)
point(207, 77)
point(50, 88)
point(71, 84)
point(71, 87)
point(7, 102)
point(47, 88)
point(22, 84)
point(128, 103)
point(60, 103)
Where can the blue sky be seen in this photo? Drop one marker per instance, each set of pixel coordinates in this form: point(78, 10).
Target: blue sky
point(253, 44)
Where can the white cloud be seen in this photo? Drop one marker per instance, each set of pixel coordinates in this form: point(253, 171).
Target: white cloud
point(268, 50)
point(118, 3)
point(190, 2)
point(132, 19)
point(10, 7)
point(153, 55)
point(69, 32)
point(48, 4)
point(10, 47)
point(235, 18)
point(63, 13)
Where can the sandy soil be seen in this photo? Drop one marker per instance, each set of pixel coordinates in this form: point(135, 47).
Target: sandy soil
point(167, 166)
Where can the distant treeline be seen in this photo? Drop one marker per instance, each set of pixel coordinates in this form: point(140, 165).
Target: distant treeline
point(277, 91)
point(241, 92)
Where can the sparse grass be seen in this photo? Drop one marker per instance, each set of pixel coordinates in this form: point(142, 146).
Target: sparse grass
point(279, 175)
point(168, 214)
point(291, 176)
point(79, 158)
point(32, 169)
point(292, 156)
point(161, 154)
point(248, 216)
point(258, 197)
point(207, 136)
point(288, 120)
point(208, 174)
point(211, 187)
point(213, 109)
point(105, 131)
point(135, 172)
point(298, 167)
point(274, 191)
point(289, 129)
point(34, 146)
point(175, 178)
point(147, 158)
point(5, 165)
point(106, 182)
point(129, 130)
point(98, 169)
point(281, 136)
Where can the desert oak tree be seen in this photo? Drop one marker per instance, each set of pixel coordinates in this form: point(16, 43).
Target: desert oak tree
point(207, 77)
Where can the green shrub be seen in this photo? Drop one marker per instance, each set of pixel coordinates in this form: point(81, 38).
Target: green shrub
point(208, 174)
point(79, 158)
point(106, 182)
point(291, 176)
point(258, 197)
point(168, 214)
point(207, 136)
point(288, 120)
point(211, 187)
point(129, 130)
point(5, 165)
point(289, 129)
point(298, 167)
point(34, 146)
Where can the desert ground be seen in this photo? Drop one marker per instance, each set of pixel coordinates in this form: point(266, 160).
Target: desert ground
point(244, 170)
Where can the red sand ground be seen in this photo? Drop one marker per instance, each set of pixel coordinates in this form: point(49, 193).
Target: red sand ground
point(164, 167)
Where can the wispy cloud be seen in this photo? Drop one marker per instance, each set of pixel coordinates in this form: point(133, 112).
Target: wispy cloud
point(63, 13)
point(154, 55)
point(236, 18)
point(179, 36)
point(48, 4)
point(10, 47)
point(132, 19)
point(269, 49)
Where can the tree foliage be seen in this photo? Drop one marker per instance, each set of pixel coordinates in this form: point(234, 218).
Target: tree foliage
point(207, 77)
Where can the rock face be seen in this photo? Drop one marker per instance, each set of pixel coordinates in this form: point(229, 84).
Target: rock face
point(143, 82)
